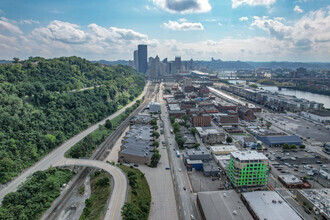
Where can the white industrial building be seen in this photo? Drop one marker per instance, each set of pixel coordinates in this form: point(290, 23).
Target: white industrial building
point(319, 116)
point(268, 205)
point(221, 153)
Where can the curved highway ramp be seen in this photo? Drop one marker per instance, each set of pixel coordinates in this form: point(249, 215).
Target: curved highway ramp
point(118, 195)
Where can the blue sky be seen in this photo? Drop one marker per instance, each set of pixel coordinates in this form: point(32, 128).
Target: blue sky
point(248, 30)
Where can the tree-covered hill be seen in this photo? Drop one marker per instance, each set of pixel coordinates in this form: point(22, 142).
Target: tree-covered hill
point(38, 112)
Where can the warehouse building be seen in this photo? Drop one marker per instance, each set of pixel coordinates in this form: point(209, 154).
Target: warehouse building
point(141, 119)
point(136, 145)
point(211, 135)
point(268, 205)
point(222, 205)
point(278, 141)
point(154, 107)
point(248, 169)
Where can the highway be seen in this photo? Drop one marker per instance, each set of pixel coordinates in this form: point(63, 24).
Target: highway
point(186, 200)
point(54, 156)
point(118, 195)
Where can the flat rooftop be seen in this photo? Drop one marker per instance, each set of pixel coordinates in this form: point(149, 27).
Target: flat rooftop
point(290, 179)
point(320, 198)
point(321, 113)
point(248, 155)
point(223, 205)
point(269, 205)
point(223, 149)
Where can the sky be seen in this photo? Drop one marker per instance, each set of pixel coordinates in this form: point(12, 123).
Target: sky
point(246, 30)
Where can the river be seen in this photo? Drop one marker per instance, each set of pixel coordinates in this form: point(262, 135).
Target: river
point(299, 94)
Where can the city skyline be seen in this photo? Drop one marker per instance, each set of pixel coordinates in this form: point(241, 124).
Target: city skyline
point(247, 30)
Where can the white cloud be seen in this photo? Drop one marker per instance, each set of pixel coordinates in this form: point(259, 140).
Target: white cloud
point(184, 6)
point(30, 21)
point(62, 31)
point(298, 9)
point(243, 18)
point(219, 23)
point(7, 25)
point(182, 20)
point(183, 26)
point(237, 3)
point(306, 39)
point(311, 32)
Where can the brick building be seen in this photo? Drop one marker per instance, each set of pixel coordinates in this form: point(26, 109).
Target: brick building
point(246, 113)
point(202, 120)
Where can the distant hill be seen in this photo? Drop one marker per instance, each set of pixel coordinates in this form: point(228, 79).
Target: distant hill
point(106, 62)
point(290, 65)
point(5, 61)
point(239, 65)
point(226, 65)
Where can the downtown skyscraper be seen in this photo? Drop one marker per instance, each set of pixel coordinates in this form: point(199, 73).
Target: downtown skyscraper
point(142, 58)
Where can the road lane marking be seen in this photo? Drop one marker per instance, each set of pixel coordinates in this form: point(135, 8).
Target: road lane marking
point(114, 211)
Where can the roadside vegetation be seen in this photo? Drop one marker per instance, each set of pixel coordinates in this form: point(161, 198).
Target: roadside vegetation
point(96, 204)
point(38, 110)
point(176, 129)
point(139, 198)
point(86, 146)
point(35, 196)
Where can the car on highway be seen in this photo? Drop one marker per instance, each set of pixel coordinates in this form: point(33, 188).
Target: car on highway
point(184, 188)
point(179, 169)
point(192, 217)
point(136, 165)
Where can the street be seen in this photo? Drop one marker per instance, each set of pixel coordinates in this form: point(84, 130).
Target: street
point(183, 188)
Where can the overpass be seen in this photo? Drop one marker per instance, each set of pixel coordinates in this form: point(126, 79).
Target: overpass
point(118, 195)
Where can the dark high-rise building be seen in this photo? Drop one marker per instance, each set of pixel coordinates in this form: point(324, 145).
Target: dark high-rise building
point(136, 60)
point(142, 58)
point(177, 64)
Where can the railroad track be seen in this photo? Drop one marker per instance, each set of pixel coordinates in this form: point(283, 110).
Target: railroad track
point(99, 154)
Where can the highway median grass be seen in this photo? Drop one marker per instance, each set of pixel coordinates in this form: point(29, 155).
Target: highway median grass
point(96, 204)
point(138, 202)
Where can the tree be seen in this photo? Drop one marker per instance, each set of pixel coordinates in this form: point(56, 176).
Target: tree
point(155, 127)
point(193, 131)
point(155, 144)
point(130, 212)
point(16, 60)
point(261, 119)
point(172, 119)
point(108, 124)
point(155, 158)
point(285, 146)
point(153, 121)
point(268, 124)
point(185, 118)
point(229, 139)
point(302, 146)
point(155, 134)
point(103, 181)
point(176, 127)
point(196, 145)
point(293, 146)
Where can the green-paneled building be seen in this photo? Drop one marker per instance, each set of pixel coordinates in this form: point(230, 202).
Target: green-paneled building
point(248, 169)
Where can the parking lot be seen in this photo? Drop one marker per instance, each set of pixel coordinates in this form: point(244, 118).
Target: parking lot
point(200, 183)
point(297, 125)
point(299, 163)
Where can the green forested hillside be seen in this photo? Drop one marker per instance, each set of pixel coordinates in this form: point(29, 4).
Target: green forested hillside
point(38, 111)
